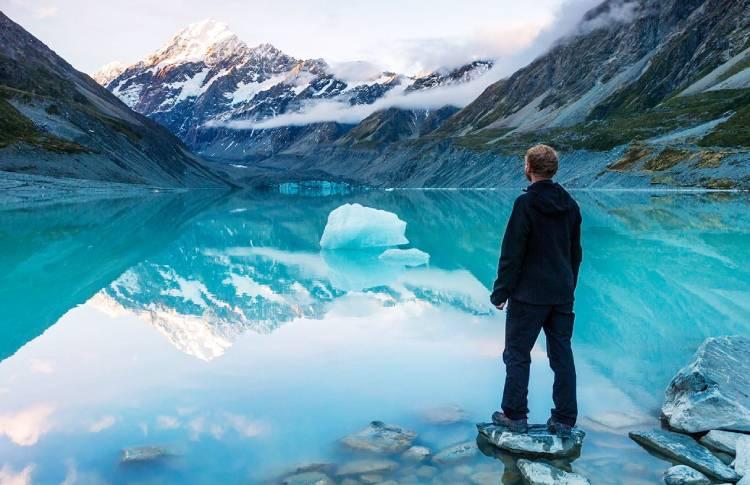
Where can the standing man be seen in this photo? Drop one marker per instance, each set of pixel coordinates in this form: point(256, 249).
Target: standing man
point(536, 279)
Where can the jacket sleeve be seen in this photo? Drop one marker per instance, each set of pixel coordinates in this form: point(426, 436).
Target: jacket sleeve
point(576, 251)
point(512, 253)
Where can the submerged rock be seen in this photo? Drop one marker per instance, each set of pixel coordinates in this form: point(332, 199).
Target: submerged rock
point(411, 258)
point(365, 467)
point(308, 478)
point(711, 392)
point(535, 473)
point(456, 453)
point(686, 450)
point(416, 453)
point(538, 441)
point(684, 475)
point(450, 414)
point(144, 453)
point(379, 437)
point(725, 441)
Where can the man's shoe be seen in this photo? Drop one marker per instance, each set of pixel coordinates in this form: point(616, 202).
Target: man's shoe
point(562, 430)
point(513, 425)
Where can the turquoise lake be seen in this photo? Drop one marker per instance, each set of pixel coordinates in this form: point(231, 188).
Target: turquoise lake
point(213, 326)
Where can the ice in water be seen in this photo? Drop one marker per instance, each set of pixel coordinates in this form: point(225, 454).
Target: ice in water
point(354, 226)
point(405, 257)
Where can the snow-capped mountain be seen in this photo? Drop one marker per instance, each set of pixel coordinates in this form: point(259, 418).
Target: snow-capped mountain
point(205, 77)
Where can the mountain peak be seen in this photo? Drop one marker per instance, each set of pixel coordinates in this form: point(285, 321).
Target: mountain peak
point(200, 41)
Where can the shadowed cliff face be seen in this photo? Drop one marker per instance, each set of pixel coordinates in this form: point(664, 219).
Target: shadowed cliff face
point(55, 258)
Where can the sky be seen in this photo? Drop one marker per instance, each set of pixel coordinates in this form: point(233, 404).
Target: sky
point(407, 36)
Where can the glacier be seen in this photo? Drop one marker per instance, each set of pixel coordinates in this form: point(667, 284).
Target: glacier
point(354, 226)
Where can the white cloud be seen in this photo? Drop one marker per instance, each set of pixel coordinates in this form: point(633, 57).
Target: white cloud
point(167, 422)
point(46, 11)
point(10, 477)
point(26, 426)
point(103, 423)
point(342, 112)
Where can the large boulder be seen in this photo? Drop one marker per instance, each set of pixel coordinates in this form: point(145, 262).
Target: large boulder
point(742, 462)
point(712, 391)
point(724, 441)
point(535, 473)
point(456, 453)
point(537, 441)
point(684, 475)
point(684, 449)
point(379, 437)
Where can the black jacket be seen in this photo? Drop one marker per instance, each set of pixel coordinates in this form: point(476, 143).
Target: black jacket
point(541, 250)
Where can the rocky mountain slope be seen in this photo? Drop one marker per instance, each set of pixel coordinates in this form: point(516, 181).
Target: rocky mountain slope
point(56, 121)
point(644, 92)
point(641, 93)
point(222, 97)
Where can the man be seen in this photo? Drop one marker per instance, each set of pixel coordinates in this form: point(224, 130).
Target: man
point(537, 276)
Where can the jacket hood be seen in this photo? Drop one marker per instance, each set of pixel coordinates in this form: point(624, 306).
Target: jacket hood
point(550, 198)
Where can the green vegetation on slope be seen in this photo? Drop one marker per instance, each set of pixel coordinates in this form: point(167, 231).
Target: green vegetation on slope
point(620, 129)
point(16, 128)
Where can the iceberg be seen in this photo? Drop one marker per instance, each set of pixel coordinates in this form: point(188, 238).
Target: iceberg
point(405, 257)
point(353, 226)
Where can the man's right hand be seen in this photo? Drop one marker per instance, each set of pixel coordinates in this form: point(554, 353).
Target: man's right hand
point(501, 306)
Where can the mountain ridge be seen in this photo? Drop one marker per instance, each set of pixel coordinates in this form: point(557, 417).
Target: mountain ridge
point(57, 121)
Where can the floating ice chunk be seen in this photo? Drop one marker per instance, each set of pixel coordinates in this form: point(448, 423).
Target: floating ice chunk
point(353, 226)
point(405, 257)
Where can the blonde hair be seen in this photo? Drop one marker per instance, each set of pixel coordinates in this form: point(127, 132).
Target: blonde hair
point(542, 160)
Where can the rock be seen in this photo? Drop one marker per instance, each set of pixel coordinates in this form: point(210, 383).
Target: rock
point(426, 471)
point(144, 453)
point(456, 453)
point(486, 478)
point(711, 392)
point(364, 467)
point(372, 478)
point(445, 415)
point(381, 438)
point(684, 475)
point(535, 473)
point(538, 441)
point(725, 441)
point(416, 453)
point(685, 450)
point(308, 478)
point(742, 462)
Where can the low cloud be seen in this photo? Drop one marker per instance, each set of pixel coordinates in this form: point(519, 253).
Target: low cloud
point(510, 48)
point(25, 427)
point(103, 423)
point(8, 476)
point(342, 112)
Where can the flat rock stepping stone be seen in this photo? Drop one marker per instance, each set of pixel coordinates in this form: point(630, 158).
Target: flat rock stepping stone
point(684, 475)
point(685, 450)
point(364, 467)
point(535, 473)
point(379, 437)
point(537, 441)
point(144, 453)
point(725, 441)
point(712, 391)
point(308, 478)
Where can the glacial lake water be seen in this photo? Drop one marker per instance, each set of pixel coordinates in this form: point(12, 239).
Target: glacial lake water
point(213, 326)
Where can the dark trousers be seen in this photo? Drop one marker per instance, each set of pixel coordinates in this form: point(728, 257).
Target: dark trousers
point(523, 324)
